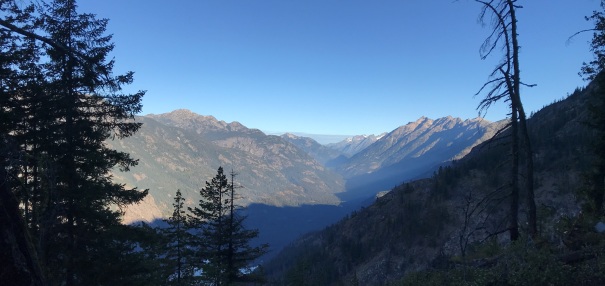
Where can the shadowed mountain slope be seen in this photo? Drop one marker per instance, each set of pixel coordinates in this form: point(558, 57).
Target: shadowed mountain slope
point(433, 141)
point(426, 224)
point(412, 151)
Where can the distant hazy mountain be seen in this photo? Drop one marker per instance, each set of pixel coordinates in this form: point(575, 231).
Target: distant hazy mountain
point(413, 150)
point(322, 139)
point(320, 152)
point(353, 145)
point(182, 150)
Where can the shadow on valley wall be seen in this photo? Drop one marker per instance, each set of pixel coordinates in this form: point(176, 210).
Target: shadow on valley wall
point(280, 226)
point(368, 185)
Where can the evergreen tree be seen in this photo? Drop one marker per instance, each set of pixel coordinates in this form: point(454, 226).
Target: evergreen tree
point(89, 110)
point(60, 103)
point(208, 219)
point(179, 241)
point(594, 70)
point(224, 253)
point(21, 101)
point(240, 253)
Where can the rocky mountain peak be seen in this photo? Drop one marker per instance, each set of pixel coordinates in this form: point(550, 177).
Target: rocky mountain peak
point(183, 115)
point(187, 119)
point(236, 126)
point(290, 136)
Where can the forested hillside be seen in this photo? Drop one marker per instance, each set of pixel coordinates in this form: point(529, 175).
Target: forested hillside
point(456, 221)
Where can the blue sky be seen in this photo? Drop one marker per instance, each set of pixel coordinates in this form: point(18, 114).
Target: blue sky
point(335, 67)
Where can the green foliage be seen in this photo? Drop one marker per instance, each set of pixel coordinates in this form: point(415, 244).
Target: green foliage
point(311, 269)
point(593, 190)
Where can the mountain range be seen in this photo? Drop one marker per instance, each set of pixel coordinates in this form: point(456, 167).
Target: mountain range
point(181, 150)
point(288, 182)
point(370, 164)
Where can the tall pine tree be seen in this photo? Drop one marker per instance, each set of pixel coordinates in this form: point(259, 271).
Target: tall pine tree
point(60, 103)
point(90, 109)
point(224, 251)
point(239, 252)
point(208, 219)
point(179, 248)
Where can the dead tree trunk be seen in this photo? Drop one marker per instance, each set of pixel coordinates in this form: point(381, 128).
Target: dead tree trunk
point(506, 85)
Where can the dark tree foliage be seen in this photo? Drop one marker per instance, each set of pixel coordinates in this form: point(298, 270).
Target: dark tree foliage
point(594, 70)
point(239, 252)
point(178, 241)
point(18, 260)
point(591, 69)
point(208, 218)
point(60, 102)
point(223, 243)
point(18, 75)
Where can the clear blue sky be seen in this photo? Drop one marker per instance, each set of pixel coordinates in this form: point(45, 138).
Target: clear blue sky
point(334, 66)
